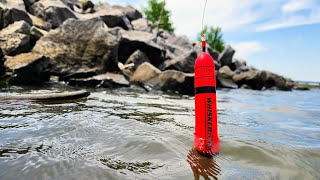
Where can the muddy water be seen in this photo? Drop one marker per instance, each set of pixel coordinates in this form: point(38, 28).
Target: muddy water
point(130, 134)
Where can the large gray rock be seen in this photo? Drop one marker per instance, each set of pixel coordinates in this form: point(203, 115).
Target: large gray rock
point(226, 56)
point(9, 15)
point(52, 11)
point(239, 65)
point(2, 69)
point(15, 39)
point(107, 80)
point(28, 69)
point(145, 42)
point(137, 58)
point(274, 80)
point(224, 78)
point(130, 12)
point(142, 24)
point(28, 4)
point(71, 50)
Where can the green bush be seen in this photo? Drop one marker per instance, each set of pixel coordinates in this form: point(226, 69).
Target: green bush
point(214, 38)
point(153, 13)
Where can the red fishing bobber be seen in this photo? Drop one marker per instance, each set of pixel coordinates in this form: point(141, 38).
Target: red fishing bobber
point(206, 138)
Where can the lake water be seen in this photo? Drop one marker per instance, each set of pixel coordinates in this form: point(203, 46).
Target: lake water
point(131, 134)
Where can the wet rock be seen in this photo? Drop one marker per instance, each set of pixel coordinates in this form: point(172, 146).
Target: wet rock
point(9, 15)
point(37, 33)
point(226, 56)
point(15, 39)
point(70, 49)
point(130, 12)
point(176, 81)
point(82, 74)
point(137, 58)
point(39, 23)
point(145, 72)
point(107, 80)
point(52, 11)
point(245, 87)
point(28, 69)
point(134, 40)
point(142, 25)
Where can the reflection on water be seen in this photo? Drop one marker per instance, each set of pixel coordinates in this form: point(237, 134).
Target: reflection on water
point(129, 134)
point(202, 165)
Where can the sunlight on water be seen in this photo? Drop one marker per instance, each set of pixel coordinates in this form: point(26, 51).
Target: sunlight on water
point(128, 134)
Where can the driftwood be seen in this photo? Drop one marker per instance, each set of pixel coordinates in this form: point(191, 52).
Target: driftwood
point(48, 97)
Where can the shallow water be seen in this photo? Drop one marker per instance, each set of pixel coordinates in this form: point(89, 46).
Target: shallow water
point(130, 134)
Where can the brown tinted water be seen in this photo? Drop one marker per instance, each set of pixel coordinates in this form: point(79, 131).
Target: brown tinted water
point(130, 134)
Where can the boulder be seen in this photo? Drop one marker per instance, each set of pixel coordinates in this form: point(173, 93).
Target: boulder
point(142, 24)
point(134, 40)
point(28, 69)
point(9, 15)
point(239, 65)
point(28, 4)
point(274, 80)
point(17, 4)
point(70, 50)
point(52, 11)
point(224, 78)
point(2, 69)
point(145, 72)
point(181, 41)
point(37, 33)
point(130, 12)
point(113, 17)
point(39, 23)
point(254, 79)
point(17, 27)
point(137, 58)
point(176, 81)
point(225, 72)
point(15, 39)
point(183, 63)
point(226, 56)
point(107, 80)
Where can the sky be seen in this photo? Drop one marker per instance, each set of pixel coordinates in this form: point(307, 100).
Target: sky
point(282, 36)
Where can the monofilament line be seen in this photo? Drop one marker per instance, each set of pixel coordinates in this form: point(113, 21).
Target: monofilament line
point(204, 11)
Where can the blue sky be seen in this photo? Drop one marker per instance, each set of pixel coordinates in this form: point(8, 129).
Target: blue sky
point(282, 36)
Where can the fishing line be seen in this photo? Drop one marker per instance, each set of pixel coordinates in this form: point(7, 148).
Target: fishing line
point(204, 11)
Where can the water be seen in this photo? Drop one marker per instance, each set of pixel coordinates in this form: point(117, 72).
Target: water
point(130, 134)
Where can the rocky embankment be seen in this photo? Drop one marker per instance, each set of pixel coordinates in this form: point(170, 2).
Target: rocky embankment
point(41, 39)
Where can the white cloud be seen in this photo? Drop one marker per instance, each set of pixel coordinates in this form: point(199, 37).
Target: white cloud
point(297, 5)
point(246, 49)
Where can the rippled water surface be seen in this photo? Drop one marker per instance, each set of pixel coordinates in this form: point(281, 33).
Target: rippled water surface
point(130, 134)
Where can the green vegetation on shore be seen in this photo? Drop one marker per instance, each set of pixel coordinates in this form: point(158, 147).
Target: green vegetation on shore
point(158, 15)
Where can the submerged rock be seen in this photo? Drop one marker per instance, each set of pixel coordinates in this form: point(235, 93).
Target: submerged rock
point(70, 50)
point(27, 69)
point(52, 11)
point(107, 80)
